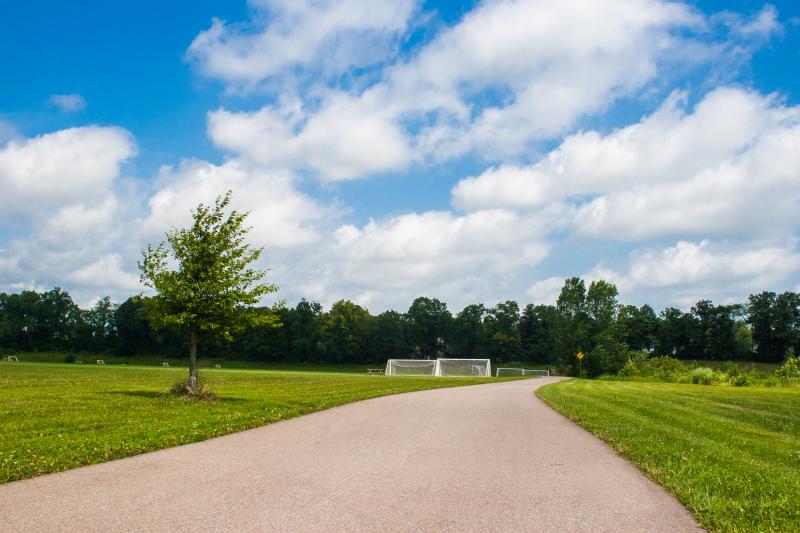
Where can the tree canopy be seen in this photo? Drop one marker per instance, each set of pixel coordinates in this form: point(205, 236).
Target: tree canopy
point(214, 285)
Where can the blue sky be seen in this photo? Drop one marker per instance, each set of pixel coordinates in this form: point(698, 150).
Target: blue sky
point(468, 151)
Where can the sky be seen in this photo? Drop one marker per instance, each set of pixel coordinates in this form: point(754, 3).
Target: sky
point(471, 152)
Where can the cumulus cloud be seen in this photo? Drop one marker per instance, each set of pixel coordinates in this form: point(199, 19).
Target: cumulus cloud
point(329, 36)
point(350, 138)
point(280, 215)
point(508, 74)
point(68, 103)
point(727, 167)
point(546, 291)
point(461, 258)
point(60, 168)
point(60, 197)
point(104, 273)
point(687, 271)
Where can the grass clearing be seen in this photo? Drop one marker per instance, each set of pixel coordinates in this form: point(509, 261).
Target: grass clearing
point(55, 416)
point(731, 455)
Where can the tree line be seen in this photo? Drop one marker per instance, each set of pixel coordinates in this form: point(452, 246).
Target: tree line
point(585, 318)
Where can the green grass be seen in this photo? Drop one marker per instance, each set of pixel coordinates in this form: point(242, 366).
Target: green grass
point(54, 417)
point(731, 455)
point(157, 360)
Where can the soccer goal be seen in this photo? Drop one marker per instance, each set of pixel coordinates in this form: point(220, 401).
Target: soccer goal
point(463, 367)
point(500, 372)
point(410, 367)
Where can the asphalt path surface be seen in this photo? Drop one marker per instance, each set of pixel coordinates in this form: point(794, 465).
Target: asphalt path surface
point(477, 458)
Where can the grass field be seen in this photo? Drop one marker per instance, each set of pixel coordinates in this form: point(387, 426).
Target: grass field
point(157, 360)
point(55, 416)
point(731, 455)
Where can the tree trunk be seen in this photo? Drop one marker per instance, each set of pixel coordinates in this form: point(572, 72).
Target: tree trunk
point(192, 360)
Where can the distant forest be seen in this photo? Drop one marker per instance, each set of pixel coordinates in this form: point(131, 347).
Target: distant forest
point(584, 318)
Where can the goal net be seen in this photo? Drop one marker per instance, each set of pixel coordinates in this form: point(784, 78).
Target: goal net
point(500, 372)
point(464, 367)
point(410, 367)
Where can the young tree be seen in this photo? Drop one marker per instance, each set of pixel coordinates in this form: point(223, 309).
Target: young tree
point(211, 292)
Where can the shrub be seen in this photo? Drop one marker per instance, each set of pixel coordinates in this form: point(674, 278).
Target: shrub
point(705, 376)
point(69, 358)
point(630, 369)
point(608, 357)
point(666, 368)
point(732, 370)
point(790, 368)
point(741, 380)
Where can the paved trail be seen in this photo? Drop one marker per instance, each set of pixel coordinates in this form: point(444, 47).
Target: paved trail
point(479, 458)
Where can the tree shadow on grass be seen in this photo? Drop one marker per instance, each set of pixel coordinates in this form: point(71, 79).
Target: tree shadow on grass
point(162, 394)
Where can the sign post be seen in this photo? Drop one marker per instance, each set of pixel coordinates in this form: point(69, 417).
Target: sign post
point(580, 357)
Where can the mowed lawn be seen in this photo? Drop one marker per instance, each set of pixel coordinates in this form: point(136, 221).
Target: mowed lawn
point(55, 417)
point(731, 455)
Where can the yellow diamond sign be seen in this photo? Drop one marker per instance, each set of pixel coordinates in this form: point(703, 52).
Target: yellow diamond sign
point(580, 355)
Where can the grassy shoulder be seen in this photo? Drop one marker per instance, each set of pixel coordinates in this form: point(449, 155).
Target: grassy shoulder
point(731, 455)
point(55, 416)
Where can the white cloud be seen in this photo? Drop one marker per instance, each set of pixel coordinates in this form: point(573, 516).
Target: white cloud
point(759, 27)
point(729, 167)
point(107, 272)
point(59, 196)
point(60, 168)
point(508, 74)
point(463, 259)
point(348, 139)
point(687, 271)
point(547, 73)
point(68, 103)
point(330, 36)
point(546, 291)
point(281, 216)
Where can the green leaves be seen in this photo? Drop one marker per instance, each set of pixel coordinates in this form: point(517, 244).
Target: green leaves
point(203, 275)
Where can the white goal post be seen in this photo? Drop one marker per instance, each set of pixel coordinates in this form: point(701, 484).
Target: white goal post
point(439, 367)
point(464, 367)
point(410, 367)
point(520, 372)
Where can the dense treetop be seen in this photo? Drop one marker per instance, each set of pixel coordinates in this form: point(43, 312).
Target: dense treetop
point(584, 318)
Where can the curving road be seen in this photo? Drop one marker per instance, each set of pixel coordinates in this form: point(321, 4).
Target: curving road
point(478, 458)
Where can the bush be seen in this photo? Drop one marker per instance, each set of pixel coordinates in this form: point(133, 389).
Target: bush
point(790, 368)
point(69, 358)
point(661, 368)
point(608, 357)
point(742, 380)
point(630, 369)
point(666, 368)
point(705, 376)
